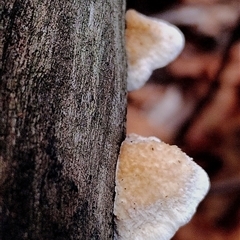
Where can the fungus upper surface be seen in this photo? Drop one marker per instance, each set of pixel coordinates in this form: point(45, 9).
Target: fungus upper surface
point(150, 44)
point(158, 188)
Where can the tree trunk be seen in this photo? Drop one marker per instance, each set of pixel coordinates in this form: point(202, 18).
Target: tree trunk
point(63, 105)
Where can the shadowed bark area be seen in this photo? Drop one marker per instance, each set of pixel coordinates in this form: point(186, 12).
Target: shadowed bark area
point(62, 106)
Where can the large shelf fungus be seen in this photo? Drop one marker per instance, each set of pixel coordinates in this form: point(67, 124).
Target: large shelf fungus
point(150, 44)
point(158, 188)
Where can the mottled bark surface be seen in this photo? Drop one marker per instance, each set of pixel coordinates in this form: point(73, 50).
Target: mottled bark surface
point(62, 103)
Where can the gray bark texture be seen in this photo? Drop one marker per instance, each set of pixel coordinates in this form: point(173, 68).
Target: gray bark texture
point(62, 106)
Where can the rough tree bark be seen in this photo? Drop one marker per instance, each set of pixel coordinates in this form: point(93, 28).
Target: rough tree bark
point(62, 103)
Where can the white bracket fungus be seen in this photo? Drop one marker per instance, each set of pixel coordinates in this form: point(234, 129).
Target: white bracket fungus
point(158, 188)
point(150, 44)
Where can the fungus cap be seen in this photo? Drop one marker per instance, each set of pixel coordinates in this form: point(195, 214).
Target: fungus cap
point(151, 43)
point(158, 188)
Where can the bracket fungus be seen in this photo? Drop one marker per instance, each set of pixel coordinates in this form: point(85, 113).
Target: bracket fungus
point(151, 43)
point(158, 188)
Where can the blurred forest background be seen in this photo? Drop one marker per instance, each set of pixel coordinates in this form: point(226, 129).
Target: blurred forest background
point(195, 103)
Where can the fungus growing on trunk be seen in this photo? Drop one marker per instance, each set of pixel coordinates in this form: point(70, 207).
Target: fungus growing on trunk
point(158, 188)
point(150, 44)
